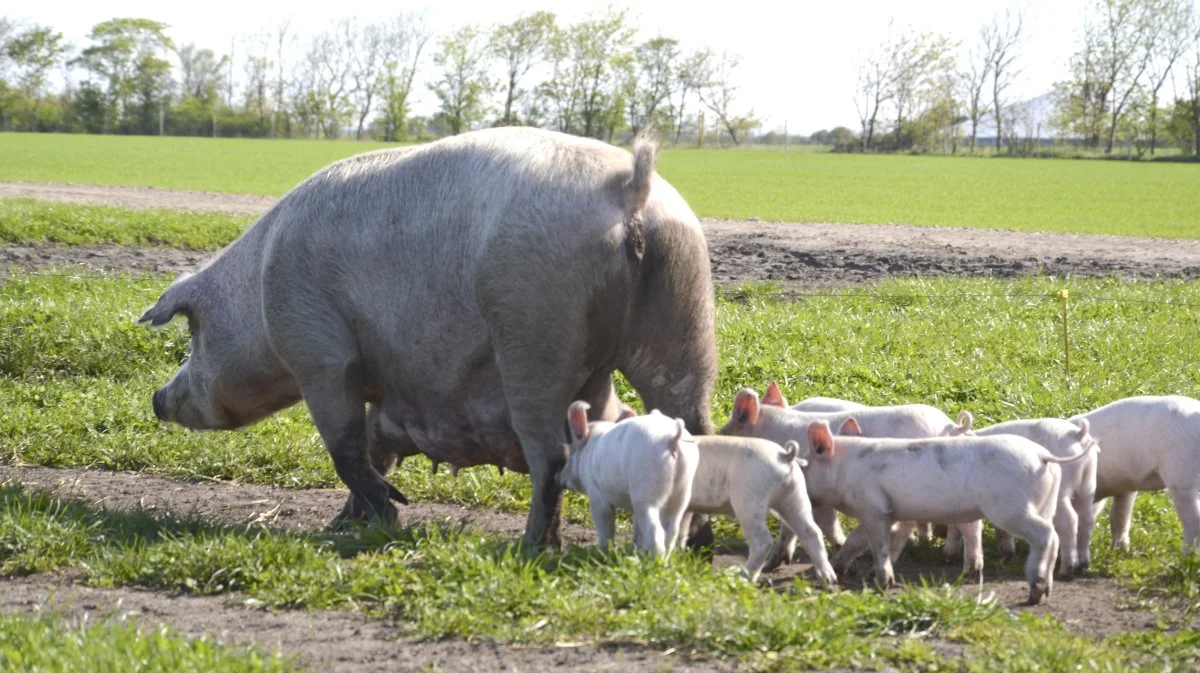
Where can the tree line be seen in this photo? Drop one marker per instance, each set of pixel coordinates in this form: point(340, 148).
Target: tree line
point(590, 78)
point(922, 91)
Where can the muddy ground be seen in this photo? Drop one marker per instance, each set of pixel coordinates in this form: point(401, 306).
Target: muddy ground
point(338, 641)
point(804, 256)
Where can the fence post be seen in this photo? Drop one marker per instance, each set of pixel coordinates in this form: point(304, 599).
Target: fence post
point(1064, 295)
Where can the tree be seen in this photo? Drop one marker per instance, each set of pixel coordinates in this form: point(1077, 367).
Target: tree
point(405, 38)
point(690, 76)
point(464, 81)
point(972, 80)
point(1185, 116)
point(202, 78)
point(33, 52)
point(918, 61)
point(651, 82)
point(281, 41)
point(1002, 41)
point(1179, 31)
point(558, 96)
point(1125, 27)
point(366, 47)
point(520, 45)
point(875, 89)
point(124, 59)
point(323, 82)
point(257, 70)
point(1081, 103)
point(599, 48)
point(719, 94)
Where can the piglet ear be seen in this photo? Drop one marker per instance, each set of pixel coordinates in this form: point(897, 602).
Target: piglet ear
point(773, 397)
point(745, 407)
point(820, 439)
point(850, 428)
point(627, 412)
point(577, 419)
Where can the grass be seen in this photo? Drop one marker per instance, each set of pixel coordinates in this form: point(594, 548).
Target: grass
point(235, 165)
point(76, 373)
point(1109, 197)
point(440, 581)
point(48, 645)
point(29, 221)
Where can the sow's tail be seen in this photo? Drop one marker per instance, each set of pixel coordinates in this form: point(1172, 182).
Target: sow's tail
point(637, 189)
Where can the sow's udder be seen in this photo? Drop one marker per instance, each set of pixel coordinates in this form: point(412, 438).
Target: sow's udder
point(458, 439)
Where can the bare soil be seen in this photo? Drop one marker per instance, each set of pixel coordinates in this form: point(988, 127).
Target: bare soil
point(802, 256)
point(323, 640)
point(809, 255)
point(1095, 605)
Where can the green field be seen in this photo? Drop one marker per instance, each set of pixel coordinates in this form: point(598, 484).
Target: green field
point(76, 373)
point(1112, 197)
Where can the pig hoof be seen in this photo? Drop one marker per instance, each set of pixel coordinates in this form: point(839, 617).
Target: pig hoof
point(701, 538)
point(1036, 593)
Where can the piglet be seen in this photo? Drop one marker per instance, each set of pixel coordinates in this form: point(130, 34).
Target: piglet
point(645, 464)
point(1073, 518)
point(746, 478)
point(772, 420)
point(1007, 479)
point(1149, 443)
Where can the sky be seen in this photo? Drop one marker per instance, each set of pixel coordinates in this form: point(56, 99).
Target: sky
point(798, 58)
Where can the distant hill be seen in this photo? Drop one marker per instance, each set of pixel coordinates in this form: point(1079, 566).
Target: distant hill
point(1034, 115)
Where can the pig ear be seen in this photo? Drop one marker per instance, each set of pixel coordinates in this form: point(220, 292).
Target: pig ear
point(820, 439)
point(578, 420)
point(745, 407)
point(627, 412)
point(773, 397)
point(850, 428)
point(176, 299)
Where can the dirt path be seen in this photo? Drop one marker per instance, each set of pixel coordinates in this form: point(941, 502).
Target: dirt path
point(338, 642)
point(807, 255)
point(1092, 605)
point(324, 640)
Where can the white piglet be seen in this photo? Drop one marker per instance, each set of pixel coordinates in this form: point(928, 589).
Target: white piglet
point(645, 464)
point(772, 420)
point(1149, 443)
point(1073, 517)
point(1007, 479)
point(747, 478)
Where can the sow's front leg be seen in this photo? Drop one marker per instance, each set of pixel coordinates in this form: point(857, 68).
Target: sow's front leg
point(384, 455)
point(335, 401)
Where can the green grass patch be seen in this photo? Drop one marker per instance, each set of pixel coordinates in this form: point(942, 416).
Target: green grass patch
point(48, 645)
point(1094, 197)
point(234, 165)
point(444, 581)
point(29, 221)
point(76, 373)
point(1111, 197)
